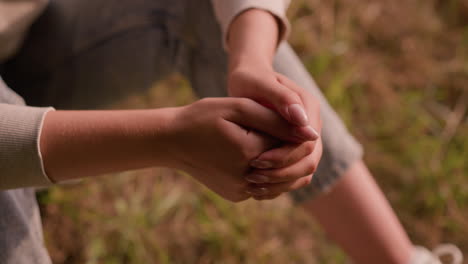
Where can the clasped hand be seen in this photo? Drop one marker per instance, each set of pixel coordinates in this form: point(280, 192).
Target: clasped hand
point(250, 145)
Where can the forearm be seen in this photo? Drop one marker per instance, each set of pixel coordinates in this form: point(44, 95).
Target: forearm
point(252, 38)
point(76, 144)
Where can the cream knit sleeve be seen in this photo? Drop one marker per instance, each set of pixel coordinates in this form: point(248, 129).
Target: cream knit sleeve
point(20, 126)
point(227, 10)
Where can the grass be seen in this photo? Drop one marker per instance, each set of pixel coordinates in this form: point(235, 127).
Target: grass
point(397, 73)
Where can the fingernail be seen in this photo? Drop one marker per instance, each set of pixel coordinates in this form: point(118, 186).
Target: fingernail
point(261, 164)
point(257, 178)
point(311, 133)
point(306, 133)
point(257, 191)
point(297, 114)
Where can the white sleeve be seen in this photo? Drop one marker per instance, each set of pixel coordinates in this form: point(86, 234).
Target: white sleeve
point(20, 126)
point(227, 10)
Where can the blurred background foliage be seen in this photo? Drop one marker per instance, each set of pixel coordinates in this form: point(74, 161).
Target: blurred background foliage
point(397, 73)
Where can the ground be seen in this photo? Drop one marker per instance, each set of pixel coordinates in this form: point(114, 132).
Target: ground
point(397, 73)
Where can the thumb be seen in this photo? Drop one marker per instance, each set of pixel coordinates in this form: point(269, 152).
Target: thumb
point(285, 101)
point(253, 115)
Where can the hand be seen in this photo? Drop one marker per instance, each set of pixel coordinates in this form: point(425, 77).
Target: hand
point(215, 139)
point(291, 166)
point(252, 40)
point(212, 139)
point(262, 84)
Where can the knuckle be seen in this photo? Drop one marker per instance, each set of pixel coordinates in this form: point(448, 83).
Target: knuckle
point(248, 153)
point(222, 127)
point(204, 101)
point(282, 79)
point(311, 168)
point(279, 161)
point(304, 183)
point(309, 148)
point(241, 104)
point(288, 96)
point(275, 175)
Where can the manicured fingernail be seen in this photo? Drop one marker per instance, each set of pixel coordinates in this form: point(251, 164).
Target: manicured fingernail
point(306, 133)
point(261, 164)
point(257, 178)
point(311, 132)
point(297, 114)
point(257, 191)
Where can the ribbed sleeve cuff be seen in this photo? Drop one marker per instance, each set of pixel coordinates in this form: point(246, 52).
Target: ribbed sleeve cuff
point(20, 157)
point(227, 10)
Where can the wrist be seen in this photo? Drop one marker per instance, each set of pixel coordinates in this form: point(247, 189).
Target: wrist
point(252, 39)
point(245, 60)
point(163, 141)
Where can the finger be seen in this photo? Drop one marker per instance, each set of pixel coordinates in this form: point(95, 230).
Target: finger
point(258, 142)
point(248, 113)
point(287, 102)
point(253, 143)
point(283, 156)
point(302, 168)
point(277, 188)
point(310, 103)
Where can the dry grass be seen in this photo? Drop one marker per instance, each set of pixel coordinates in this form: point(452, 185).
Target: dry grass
point(396, 71)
